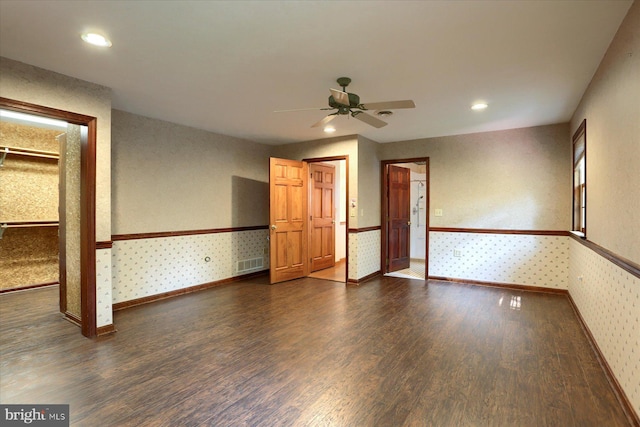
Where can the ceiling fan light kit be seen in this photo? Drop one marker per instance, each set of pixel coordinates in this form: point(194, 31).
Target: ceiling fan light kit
point(347, 103)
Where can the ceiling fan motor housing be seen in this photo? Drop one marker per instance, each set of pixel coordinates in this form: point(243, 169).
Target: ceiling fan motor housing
point(354, 101)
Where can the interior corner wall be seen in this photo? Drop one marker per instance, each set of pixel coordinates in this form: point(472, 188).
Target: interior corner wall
point(607, 296)
point(517, 179)
point(168, 177)
point(212, 189)
point(26, 83)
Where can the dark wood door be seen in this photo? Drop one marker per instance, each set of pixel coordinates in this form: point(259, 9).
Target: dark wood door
point(322, 216)
point(399, 220)
point(288, 234)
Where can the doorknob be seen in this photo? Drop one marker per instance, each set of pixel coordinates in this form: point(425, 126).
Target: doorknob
point(333, 221)
point(408, 222)
point(273, 227)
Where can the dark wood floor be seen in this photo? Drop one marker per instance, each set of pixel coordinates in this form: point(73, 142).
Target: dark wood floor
point(390, 352)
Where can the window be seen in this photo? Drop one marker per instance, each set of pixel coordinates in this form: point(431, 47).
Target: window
point(580, 180)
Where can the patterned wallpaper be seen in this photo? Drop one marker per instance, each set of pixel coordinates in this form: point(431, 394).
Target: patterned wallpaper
point(104, 312)
point(145, 267)
point(609, 301)
point(353, 256)
point(504, 258)
point(364, 254)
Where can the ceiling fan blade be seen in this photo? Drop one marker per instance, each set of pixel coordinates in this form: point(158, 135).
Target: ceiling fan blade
point(324, 121)
point(389, 105)
point(303, 109)
point(340, 97)
point(368, 119)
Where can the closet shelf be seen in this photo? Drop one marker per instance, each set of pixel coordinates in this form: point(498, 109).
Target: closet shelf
point(4, 151)
point(26, 224)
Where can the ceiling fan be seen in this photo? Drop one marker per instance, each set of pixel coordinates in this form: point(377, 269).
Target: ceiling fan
point(349, 103)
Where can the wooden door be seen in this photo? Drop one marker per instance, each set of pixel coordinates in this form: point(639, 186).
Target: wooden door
point(398, 220)
point(322, 228)
point(288, 233)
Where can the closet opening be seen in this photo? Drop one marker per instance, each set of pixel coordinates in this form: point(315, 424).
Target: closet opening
point(47, 206)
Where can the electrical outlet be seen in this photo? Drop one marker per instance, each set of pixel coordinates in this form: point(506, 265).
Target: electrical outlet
point(437, 212)
point(457, 252)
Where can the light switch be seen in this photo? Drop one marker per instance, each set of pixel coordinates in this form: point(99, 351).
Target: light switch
point(438, 212)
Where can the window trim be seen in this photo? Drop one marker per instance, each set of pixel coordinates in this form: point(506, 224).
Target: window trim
point(579, 206)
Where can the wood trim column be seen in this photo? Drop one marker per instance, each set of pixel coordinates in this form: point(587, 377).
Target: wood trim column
point(88, 229)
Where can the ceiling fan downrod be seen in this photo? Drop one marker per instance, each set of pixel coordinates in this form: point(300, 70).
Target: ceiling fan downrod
point(344, 82)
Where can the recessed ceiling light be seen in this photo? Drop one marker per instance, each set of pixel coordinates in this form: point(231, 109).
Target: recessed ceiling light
point(329, 129)
point(479, 106)
point(96, 39)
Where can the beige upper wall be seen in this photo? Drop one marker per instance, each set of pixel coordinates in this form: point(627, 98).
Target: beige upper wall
point(169, 177)
point(369, 190)
point(513, 179)
point(23, 82)
point(611, 106)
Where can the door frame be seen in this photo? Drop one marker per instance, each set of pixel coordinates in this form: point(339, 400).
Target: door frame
point(88, 322)
point(385, 207)
point(346, 200)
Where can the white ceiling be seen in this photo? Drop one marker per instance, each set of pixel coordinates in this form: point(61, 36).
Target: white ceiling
point(226, 66)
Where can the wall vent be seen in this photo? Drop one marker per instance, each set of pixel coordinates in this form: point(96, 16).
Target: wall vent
point(249, 265)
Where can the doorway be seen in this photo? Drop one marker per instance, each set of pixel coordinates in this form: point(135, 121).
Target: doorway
point(405, 219)
point(75, 210)
point(333, 243)
point(304, 243)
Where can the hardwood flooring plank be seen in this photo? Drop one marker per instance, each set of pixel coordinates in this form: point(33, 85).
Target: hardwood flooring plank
point(390, 352)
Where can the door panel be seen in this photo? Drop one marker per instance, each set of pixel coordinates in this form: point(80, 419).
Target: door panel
point(399, 211)
point(279, 207)
point(288, 218)
point(322, 219)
